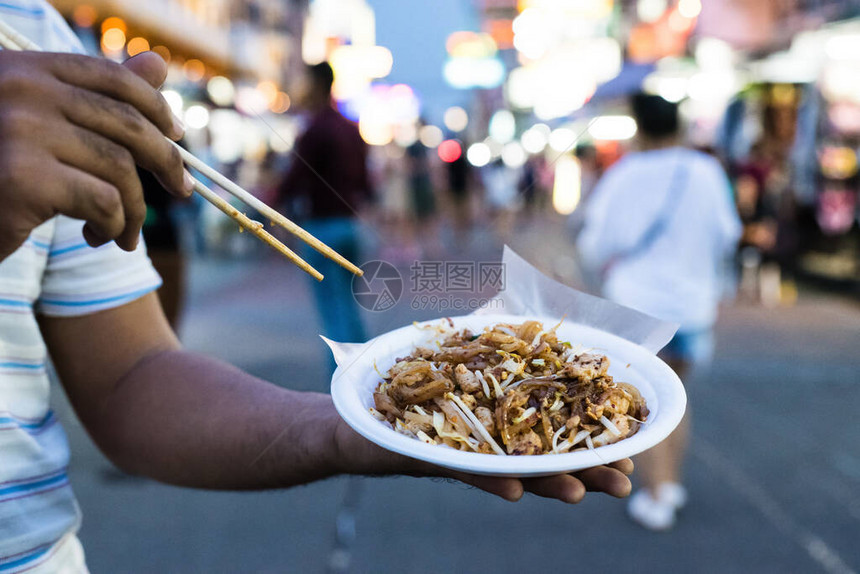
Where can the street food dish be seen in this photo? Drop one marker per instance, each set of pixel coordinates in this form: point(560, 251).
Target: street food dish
point(513, 389)
point(656, 396)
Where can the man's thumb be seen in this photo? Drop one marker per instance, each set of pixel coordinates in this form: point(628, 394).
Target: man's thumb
point(149, 66)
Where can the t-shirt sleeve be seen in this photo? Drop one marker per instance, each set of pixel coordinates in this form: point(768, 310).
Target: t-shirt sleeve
point(80, 280)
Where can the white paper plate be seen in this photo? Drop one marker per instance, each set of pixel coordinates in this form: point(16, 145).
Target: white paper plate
point(356, 378)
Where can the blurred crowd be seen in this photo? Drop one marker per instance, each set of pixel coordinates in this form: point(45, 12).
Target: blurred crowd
point(424, 199)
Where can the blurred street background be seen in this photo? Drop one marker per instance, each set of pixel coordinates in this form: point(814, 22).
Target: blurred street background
point(489, 122)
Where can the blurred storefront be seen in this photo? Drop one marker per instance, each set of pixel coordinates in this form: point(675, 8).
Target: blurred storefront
point(240, 38)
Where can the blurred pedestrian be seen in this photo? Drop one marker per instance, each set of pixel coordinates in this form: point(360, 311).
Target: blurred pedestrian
point(70, 253)
point(458, 173)
point(329, 176)
point(422, 200)
point(658, 229)
point(502, 196)
point(395, 207)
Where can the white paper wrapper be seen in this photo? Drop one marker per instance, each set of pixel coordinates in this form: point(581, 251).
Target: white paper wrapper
point(530, 293)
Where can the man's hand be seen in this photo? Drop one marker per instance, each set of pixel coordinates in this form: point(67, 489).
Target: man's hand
point(72, 129)
point(357, 455)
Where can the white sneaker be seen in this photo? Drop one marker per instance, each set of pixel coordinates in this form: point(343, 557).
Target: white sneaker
point(672, 493)
point(657, 513)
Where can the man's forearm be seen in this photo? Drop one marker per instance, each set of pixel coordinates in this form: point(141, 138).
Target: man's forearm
point(195, 421)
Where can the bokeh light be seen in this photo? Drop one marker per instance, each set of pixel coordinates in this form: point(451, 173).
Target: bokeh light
point(430, 136)
point(536, 138)
point(690, 8)
point(269, 90)
point(449, 151)
point(281, 104)
point(194, 70)
point(375, 128)
point(562, 139)
point(162, 51)
point(114, 22)
point(613, 128)
point(513, 155)
point(479, 154)
point(405, 135)
point(680, 23)
point(456, 119)
point(503, 126)
point(137, 45)
point(651, 10)
point(567, 189)
point(221, 91)
point(84, 16)
point(113, 40)
point(174, 100)
point(197, 117)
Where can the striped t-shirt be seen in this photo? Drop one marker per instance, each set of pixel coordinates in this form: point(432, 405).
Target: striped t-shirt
point(54, 273)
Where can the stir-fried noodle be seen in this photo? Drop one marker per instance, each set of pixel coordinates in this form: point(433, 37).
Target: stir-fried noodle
point(512, 389)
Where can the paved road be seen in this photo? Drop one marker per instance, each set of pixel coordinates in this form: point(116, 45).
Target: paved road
point(774, 473)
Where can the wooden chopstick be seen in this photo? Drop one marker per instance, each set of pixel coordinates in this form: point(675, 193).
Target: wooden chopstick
point(255, 227)
point(275, 217)
point(12, 40)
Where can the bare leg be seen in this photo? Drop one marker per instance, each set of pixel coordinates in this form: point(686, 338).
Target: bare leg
point(662, 463)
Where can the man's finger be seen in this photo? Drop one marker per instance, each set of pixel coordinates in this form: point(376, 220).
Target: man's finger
point(624, 465)
point(511, 489)
point(124, 124)
point(604, 479)
point(563, 487)
point(81, 195)
point(149, 66)
point(90, 152)
point(118, 82)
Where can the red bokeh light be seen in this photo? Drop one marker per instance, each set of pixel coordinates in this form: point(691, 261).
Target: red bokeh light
point(449, 151)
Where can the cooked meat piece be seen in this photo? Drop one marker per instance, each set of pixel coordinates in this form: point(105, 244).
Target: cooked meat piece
point(559, 418)
point(408, 372)
point(587, 366)
point(616, 400)
point(525, 443)
point(386, 406)
point(543, 346)
point(415, 422)
point(423, 353)
point(528, 330)
point(421, 391)
point(453, 416)
point(593, 411)
point(608, 437)
point(478, 363)
point(497, 337)
point(461, 354)
point(470, 400)
point(467, 379)
point(485, 415)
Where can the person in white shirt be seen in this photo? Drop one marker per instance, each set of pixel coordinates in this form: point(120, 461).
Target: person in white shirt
point(657, 231)
point(76, 284)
